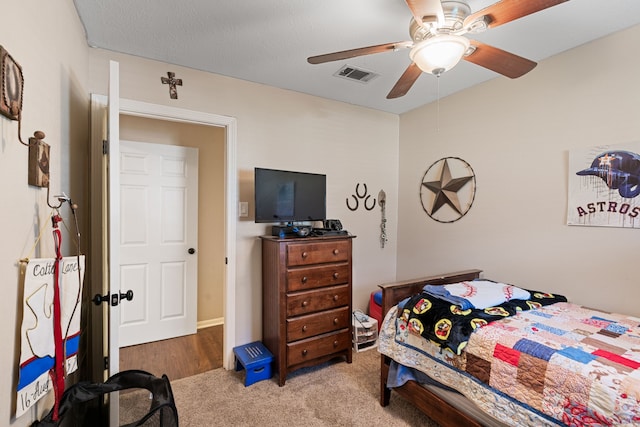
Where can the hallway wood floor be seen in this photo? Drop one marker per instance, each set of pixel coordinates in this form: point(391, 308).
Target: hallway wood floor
point(177, 357)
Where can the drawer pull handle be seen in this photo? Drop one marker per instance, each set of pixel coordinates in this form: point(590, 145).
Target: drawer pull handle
point(335, 321)
point(304, 352)
point(305, 303)
point(304, 254)
point(304, 279)
point(336, 275)
point(336, 251)
point(304, 328)
point(336, 297)
point(335, 343)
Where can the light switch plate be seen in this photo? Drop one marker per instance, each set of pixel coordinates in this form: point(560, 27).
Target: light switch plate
point(243, 209)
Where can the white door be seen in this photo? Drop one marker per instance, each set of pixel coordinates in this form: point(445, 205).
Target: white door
point(158, 241)
point(113, 227)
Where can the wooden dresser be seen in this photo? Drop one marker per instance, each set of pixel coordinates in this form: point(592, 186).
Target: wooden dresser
point(306, 300)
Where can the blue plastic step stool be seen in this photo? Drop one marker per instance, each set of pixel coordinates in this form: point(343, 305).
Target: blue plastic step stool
point(256, 360)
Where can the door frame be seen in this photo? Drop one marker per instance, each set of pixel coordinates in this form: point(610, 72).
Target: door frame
point(100, 194)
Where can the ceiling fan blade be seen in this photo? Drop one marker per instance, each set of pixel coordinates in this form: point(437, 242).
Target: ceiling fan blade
point(426, 11)
point(509, 10)
point(352, 53)
point(500, 61)
point(405, 82)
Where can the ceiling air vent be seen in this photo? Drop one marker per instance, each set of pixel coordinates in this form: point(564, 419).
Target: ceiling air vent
point(357, 74)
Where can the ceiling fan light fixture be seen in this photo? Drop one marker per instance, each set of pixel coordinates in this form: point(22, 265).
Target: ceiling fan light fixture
point(438, 54)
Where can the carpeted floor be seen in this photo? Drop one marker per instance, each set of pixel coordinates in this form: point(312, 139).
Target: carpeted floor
point(332, 394)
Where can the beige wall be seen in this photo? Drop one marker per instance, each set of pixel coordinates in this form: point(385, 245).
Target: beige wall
point(210, 142)
point(516, 134)
point(276, 128)
point(284, 130)
point(47, 40)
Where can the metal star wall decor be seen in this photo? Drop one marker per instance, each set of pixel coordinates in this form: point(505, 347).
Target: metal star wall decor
point(444, 198)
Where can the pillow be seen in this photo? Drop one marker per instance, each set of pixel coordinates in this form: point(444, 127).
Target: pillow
point(377, 297)
point(478, 294)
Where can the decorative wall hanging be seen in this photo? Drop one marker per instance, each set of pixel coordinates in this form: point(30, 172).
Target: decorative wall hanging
point(38, 170)
point(50, 332)
point(12, 85)
point(604, 186)
point(382, 201)
point(368, 205)
point(38, 346)
point(11, 93)
point(172, 82)
point(443, 197)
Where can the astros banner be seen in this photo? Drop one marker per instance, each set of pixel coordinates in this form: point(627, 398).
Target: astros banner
point(37, 354)
point(604, 186)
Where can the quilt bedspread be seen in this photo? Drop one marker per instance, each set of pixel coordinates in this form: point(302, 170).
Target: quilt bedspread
point(560, 363)
point(449, 325)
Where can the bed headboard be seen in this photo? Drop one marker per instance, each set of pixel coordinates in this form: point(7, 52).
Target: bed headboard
point(393, 293)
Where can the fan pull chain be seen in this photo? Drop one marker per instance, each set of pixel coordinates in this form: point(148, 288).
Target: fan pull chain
point(438, 103)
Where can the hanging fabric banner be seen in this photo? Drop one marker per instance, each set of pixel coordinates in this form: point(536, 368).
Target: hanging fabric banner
point(38, 350)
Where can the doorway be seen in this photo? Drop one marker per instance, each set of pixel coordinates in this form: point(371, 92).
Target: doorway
point(103, 113)
point(210, 143)
point(158, 241)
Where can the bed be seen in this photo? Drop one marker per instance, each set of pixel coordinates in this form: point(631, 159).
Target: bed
point(527, 383)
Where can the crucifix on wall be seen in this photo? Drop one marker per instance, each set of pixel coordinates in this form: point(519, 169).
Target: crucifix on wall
point(172, 82)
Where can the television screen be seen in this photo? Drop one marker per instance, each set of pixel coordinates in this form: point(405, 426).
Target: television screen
point(287, 196)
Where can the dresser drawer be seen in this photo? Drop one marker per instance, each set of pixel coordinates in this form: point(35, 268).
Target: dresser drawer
point(323, 345)
point(316, 324)
point(299, 279)
point(317, 300)
point(318, 252)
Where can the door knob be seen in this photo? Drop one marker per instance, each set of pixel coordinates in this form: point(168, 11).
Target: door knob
point(115, 298)
point(191, 251)
point(126, 296)
point(99, 299)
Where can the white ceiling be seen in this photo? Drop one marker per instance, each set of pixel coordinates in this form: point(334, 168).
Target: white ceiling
point(268, 41)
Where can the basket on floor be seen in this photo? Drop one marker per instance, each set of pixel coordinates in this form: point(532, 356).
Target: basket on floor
point(162, 410)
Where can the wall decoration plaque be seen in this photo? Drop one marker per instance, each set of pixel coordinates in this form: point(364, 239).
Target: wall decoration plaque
point(38, 170)
point(604, 186)
point(11, 83)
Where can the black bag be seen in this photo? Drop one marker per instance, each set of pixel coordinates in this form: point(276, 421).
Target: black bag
point(162, 411)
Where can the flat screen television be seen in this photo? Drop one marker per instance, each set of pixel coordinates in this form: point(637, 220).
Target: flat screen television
point(288, 196)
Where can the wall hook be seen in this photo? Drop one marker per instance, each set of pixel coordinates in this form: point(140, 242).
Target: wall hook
point(61, 199)
point(37, 135)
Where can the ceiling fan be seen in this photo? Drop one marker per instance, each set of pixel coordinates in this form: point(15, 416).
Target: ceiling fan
point(437, 42)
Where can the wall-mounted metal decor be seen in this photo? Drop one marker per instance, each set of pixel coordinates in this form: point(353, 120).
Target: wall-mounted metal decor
point(382, 201)
point(365, 197)
point(448, 189)
point(11, 82)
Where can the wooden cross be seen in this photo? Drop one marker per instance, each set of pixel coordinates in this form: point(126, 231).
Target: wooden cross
point(172, 82)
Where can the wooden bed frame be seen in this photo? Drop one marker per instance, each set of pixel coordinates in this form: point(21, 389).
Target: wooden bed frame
point(430, 404)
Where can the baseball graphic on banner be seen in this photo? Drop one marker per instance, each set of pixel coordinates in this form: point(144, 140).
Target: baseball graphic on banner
point(604, 186)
